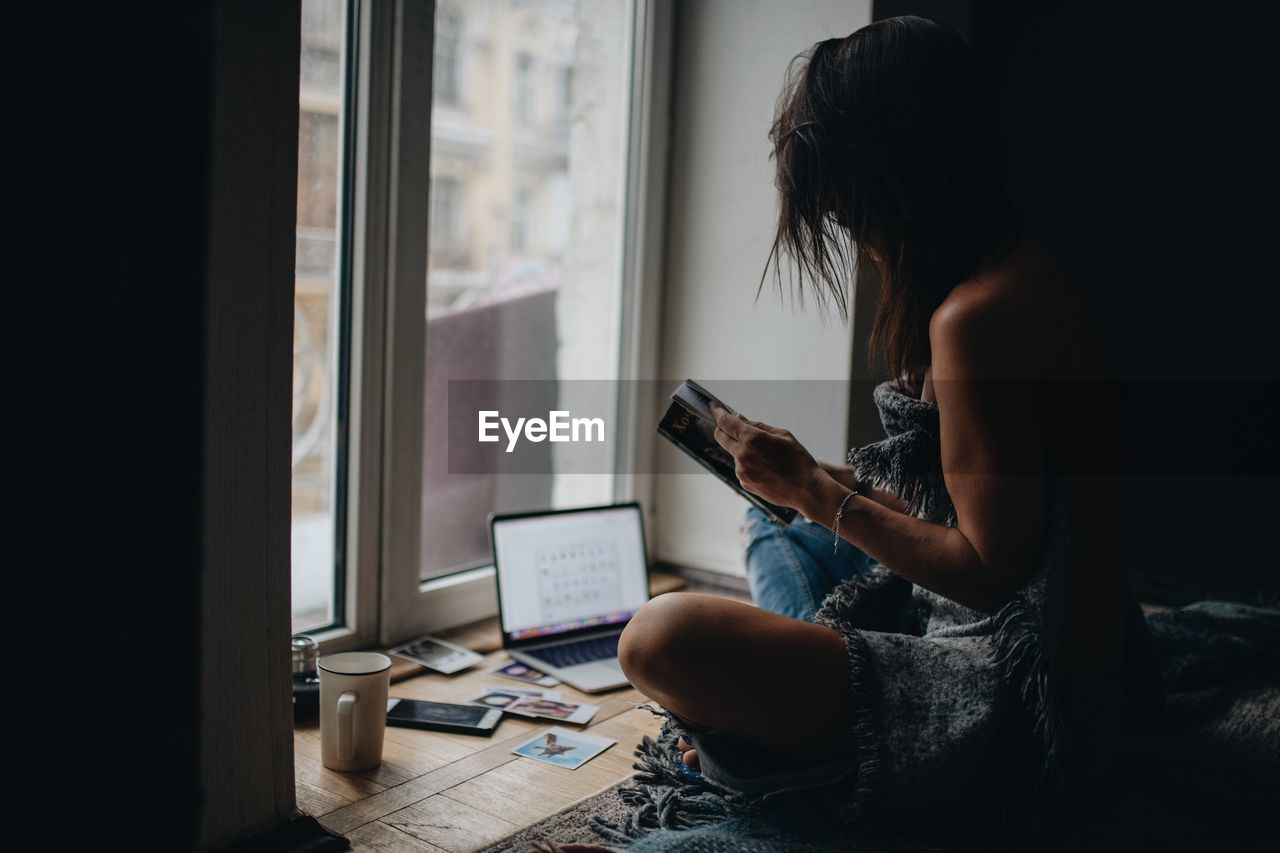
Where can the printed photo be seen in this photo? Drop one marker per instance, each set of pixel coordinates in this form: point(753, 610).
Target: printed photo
point(569, 712)
point(505, 697)
point(563, 747)
point(437, 654)
point(497, 699)
point(523, 672)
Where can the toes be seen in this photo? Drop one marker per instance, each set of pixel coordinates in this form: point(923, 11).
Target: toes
point(688, 753)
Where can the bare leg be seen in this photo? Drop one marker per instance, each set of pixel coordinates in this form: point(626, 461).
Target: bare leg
point(770, 679)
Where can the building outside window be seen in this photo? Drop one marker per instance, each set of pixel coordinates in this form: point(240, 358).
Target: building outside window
point(446, 217)
point(525, 89)
point(517, 298)
point(521, 221)
point(446, 85)
point(564, 98)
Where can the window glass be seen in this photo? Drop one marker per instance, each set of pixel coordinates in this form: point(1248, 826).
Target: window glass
point(524, 261)
point(321, 126)
point(446, 70)
point(525, 90)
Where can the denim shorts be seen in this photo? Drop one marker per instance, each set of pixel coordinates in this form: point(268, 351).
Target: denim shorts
point(791, 569)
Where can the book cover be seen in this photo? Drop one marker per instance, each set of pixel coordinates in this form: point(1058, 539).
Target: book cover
point(690, 426)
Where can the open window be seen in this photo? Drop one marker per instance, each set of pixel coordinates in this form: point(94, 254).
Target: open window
point(474, 190)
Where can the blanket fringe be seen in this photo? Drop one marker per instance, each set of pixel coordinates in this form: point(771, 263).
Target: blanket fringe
point(1021, 656)
point(906, 465)
point(865, 734)
point(666, 794)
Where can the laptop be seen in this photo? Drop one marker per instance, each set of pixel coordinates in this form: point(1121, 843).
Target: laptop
point(568, 583)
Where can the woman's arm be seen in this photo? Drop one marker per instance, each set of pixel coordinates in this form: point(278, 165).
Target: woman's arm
point(843, 474)
point(992, 465)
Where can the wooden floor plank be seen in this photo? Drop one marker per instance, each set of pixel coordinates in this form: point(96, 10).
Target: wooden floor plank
point(347, 785)
point(317, 801)
point(307, 742)
point(384, 803)
point(399, 764)
point(525, 791)
point(436, 789)
point(420, 750)
point(450, 824)
point(380, 838)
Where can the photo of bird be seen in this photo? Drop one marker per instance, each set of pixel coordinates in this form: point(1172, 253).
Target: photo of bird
point(550, 746)
point(564, 747)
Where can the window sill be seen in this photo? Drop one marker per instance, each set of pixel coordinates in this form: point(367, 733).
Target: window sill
point(470, 576)
point(445, 602)
point(337, 640)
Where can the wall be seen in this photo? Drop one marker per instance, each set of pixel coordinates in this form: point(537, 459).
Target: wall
point(1140, 141)
point(246, 701)
point(133, 568)
point(730, 60)
point(183, 158)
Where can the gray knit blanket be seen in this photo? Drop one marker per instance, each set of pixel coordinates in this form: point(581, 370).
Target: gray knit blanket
point(959, 719)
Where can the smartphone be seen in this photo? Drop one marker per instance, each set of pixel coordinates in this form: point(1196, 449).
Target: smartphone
point(443, 716)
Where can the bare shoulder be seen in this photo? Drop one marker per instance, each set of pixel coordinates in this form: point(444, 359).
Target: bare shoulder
point(972, 307)
point(998, 320)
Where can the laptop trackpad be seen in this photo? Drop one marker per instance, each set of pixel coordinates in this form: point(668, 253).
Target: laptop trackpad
point(598, 671)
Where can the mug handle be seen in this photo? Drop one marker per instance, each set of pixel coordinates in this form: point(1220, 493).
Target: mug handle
point(346, 725)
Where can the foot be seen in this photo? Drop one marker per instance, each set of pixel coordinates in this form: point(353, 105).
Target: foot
point(690, 754)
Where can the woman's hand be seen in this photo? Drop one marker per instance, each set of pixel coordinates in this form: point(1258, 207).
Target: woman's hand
point(769, 462)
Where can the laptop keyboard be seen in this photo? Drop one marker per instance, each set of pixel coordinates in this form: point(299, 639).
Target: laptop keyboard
point(583, 651)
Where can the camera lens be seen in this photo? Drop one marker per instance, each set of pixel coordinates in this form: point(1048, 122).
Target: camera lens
point(304, 656)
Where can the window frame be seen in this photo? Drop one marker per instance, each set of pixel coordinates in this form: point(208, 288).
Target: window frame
point(371, 185)
point(385, 600)
point(351, 626)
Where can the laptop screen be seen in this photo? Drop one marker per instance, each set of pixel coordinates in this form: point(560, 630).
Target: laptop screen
point(561, 572)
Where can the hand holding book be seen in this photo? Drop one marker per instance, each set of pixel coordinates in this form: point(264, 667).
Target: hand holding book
point(690, 425)
point(768, 460)
point(777, 467)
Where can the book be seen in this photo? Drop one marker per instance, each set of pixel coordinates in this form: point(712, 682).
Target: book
point(690, 426)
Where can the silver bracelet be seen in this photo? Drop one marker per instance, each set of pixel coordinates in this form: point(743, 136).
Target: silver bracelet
point(835, 527)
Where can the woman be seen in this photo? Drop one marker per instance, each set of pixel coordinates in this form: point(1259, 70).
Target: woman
point(973, 564)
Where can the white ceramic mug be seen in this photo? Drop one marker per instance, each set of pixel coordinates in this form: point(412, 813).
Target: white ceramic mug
point(353, 709)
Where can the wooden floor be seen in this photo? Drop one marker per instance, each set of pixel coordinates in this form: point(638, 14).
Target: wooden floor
point(440, 791)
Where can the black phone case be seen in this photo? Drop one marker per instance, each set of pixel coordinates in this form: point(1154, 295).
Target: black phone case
point(433, 726)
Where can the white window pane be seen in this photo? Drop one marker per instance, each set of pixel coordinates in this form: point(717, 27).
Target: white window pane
point(320, 130)
point(524, 263)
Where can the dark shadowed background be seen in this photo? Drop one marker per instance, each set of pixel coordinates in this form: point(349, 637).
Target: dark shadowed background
point(1141, 139)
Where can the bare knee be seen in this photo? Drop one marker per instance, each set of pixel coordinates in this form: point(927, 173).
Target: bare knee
point(652, 646)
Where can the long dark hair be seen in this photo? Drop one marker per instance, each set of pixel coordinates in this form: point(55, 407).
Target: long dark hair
point(886, 141)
